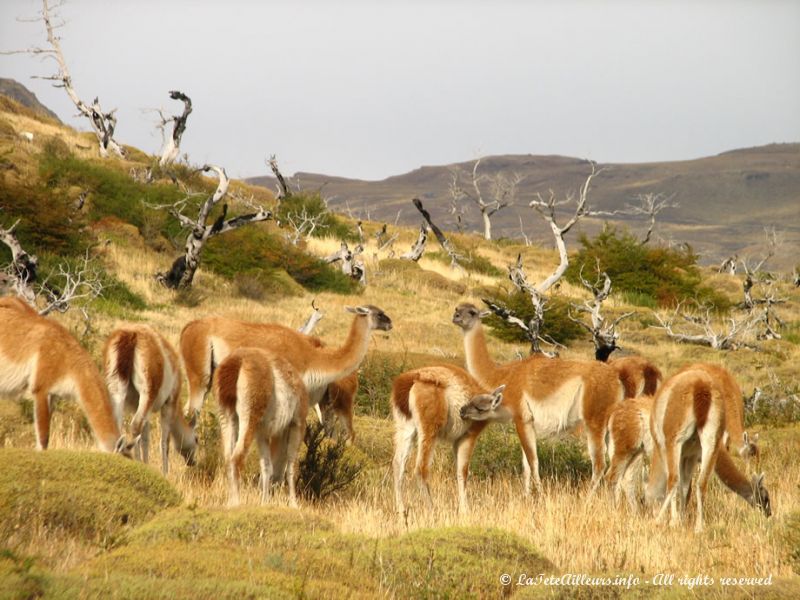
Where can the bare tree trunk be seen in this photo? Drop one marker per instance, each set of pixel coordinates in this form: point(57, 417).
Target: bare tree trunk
point(181, 274)
point(22, 270)
point(103, 123)
point(418, 249)
point(440, 237)
point(283, 188)
point(351, 264)
point(487, 225)
point(172, 144)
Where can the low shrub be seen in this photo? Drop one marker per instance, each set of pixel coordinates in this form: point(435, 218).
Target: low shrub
point(646, 274)
point(328, 467)
point(311, 205)
point(557, 324)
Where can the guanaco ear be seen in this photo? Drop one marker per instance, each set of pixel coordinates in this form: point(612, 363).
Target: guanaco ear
point(754, 439)
point(759, 480)
point(484, 313)
point(497, 396)
point(121, 445)
point(357, 310)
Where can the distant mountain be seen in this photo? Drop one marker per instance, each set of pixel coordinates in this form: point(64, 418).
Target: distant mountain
point(725, 201)
point(14, 89)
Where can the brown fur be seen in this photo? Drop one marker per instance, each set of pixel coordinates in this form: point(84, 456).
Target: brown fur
point(734, 405)
point(339, 399)
point(200, 354)
point(125, 346)
point(686, 400)
point(538, 378)
point(263, 397)
point(701, 399)
point(39, 357)
point(143, 375)
point(426, 404)
point(637, 374)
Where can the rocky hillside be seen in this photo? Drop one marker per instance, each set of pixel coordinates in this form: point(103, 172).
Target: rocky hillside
point(15, 90)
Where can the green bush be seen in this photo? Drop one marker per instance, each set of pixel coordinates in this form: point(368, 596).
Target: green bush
point(647, 275)
point(375, 383)
point(327, 467)
point(473, 262)
point(557, 324)
point(313, 206)
point(258, 253)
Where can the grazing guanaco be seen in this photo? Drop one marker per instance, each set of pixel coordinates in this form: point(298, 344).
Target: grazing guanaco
point(638, 375)
point(687, 424)
point(544, 396)
point(143, 375)
point(427, 405)
point(630, 440)
point(206, 342)
point(261, 396)
point(41, 359)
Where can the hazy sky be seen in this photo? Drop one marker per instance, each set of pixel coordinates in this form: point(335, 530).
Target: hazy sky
point(372, 89)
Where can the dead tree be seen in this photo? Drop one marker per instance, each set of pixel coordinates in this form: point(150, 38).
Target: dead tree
point(752, 271)
point(283, 191)
point(80, 282)
point(182, 272)
point(351, 263)
point(547, 208)
point(698, 328)
point(604, 335)
point(20, 274)
point(171, 146)
point(103, 123)
point(796, 277)
point(649, 206)
point(418, 249)
point(769, 322)
point(729, 265)
point(303, 225)
point(501, 189)
point(380, 235)
point(455, 257)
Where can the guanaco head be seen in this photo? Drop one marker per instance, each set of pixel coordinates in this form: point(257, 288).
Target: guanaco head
point(761, 495)
point(377, 318)
point(468, 315)
point(125, 447)
point(483, 406)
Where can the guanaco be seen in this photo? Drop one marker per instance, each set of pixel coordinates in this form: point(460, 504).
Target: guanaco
point(630, 440)
point(427, 405)
point(143, 375)
point(206, 342)
point(687, 424)
point(638, 375)
point(41, 359)
point(544, 396)
point(261, 396)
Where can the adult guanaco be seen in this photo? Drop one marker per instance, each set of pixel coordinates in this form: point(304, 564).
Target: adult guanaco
point(41, 359)
point(143, 376)
point(544, 396)
point(427, 405)
point(630, 440)
point(687, 424)
point(206, 342)
point(261, 396)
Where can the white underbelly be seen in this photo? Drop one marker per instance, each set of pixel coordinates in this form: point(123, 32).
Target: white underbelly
point(559, 411)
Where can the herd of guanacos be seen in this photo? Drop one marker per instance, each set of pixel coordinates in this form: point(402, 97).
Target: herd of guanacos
point(266, 376)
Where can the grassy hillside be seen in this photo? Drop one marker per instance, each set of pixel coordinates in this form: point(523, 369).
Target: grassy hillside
point(80, 524)
point(725, 200)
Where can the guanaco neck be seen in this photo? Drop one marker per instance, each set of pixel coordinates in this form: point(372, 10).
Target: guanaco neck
point(93, 396)
point(330, 364)
point(182, 432)
point(479, 364)
point(732, 477)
